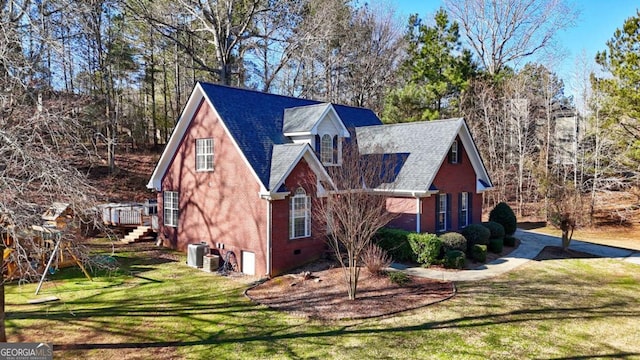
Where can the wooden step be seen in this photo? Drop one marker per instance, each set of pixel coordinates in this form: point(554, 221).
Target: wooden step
point(139, 233)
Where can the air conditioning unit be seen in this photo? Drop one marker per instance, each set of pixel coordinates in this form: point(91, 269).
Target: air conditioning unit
point(195, 253)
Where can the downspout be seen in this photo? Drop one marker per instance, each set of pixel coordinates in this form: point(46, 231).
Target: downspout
point(269, 240)
point(418, 210)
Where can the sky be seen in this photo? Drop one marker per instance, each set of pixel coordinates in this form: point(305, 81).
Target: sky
point(596, 23)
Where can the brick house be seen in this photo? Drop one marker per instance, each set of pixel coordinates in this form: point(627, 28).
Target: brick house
point(234, 169)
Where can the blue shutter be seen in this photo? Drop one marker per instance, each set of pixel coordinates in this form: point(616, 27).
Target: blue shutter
point(438, 224)
point(460, 219)
point(470, 201)
point(448, 212)
point(318, 145)
point(335, 149)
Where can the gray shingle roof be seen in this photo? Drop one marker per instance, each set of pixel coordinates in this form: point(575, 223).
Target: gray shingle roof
point(427, 144)
point(283, 158)
point(302, 119)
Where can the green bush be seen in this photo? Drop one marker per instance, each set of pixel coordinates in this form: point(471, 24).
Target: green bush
point(496, 230)
point(495, 245)
point(479, 253)
point(453, 241)
point(509, 241)
point(454, 259)
point(426, 247)
point(396, 243)
point(398, 277)
point(476, 234)
point(503, 215)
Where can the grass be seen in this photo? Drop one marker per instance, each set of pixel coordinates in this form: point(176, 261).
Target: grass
point(164, 310)
point(624, 237)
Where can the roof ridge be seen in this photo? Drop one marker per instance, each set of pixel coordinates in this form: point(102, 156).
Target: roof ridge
point(318, 102)
point(421, 122)
point(291, 144)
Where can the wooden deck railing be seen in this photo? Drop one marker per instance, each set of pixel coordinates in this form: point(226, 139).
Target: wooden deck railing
point(130, 217)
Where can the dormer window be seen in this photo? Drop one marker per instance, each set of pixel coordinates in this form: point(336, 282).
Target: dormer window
point(326, 149)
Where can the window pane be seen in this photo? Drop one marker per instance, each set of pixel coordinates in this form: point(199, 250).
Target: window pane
point(171, 208)
point(300, 215)
point(204, 154)
point(326, 149)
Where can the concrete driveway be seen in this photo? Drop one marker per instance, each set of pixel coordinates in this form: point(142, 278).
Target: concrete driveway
point(530, 246)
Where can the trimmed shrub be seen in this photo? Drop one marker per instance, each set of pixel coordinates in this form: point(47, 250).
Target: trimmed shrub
point(497, 230)
point(495, 245)
point(454, 259)
point(426, 247)
point(375, 259)
point(476, 234)
point(399, 278)
point(396, 243)
point(453, 241)
point(509, 241)
point(479, 253)
point(503, 215)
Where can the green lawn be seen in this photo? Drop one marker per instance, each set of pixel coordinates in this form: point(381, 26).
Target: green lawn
point(154, 309)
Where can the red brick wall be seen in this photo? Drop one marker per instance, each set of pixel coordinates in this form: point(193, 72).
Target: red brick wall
point(454, 179)
point(290, 253)
point(451, 179)
point(221, 206)
point(405, 210)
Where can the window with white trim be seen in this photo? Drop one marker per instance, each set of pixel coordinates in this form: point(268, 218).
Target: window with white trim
point(204, 154)
point(326, 149)
point(300, 215)
point(171, 207)
point(442, 212)
point(453, 153)
point(464, 209)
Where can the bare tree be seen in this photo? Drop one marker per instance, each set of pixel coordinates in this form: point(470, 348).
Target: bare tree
point(43, 142)
point(503, 32)
point(355, 212)
point(221, 27)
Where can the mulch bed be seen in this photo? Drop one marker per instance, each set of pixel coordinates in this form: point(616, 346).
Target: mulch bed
point(324, 295)
point(557, 253)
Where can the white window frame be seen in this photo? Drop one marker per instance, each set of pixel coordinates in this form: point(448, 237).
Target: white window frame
point(326, 149)
point(204, 154)
point(464, 209)
point(454, 152)
point(300, 209)
point(171, 208)
point(442, 212)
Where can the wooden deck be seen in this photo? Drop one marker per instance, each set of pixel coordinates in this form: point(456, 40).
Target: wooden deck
point(130, 215)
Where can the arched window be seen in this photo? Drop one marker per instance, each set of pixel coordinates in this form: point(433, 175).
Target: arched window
point(300, 215)
point(326, 149)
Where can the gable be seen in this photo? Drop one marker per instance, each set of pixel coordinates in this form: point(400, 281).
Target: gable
point(286, 157)
point(313, 120)
point(427, 145)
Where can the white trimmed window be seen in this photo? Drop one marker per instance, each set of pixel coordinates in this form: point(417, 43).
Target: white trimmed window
point(300, 215)
point(326, 149)
point(453, 153)
point(442, 212)
point(171, 208)
point(464, 209)
point(204, 154)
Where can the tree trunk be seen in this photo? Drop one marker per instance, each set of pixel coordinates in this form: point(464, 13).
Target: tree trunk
point(3, 332)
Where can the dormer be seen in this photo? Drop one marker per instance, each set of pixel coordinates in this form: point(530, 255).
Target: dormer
point(319, 126)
